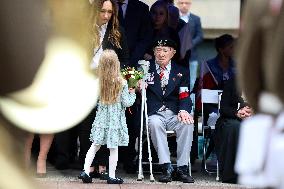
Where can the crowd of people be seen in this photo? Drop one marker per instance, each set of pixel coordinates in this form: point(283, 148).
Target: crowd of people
point(123, 32)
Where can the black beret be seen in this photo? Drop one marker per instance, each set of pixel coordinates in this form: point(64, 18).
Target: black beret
point(164, 42)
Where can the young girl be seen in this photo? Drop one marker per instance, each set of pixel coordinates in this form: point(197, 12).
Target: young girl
point(109, 127)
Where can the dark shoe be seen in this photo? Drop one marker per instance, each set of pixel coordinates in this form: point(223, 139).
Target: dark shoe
point(95, 174)
point(104, 176)
point(85, 178)
point(183, 176)
point(167, 173)
point(114, 180)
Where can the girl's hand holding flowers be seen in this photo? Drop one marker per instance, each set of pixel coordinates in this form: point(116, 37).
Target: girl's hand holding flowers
point(131, 90)
point(132, 76)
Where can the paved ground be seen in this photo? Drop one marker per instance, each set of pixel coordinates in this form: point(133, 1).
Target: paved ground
point(67, 179)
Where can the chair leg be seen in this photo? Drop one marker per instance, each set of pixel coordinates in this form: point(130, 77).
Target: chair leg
point(217, 176)
point(189, 165)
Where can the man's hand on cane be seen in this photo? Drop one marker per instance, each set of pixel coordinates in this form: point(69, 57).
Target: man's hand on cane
point(140, 82)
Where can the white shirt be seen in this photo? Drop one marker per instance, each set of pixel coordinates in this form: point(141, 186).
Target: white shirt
point(165, 79)
point(98, 50)
point(185, 17)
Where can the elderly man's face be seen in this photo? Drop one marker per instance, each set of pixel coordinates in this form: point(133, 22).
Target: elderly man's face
point(163, 55)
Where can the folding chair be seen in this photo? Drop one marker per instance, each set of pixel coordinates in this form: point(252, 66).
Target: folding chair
point(209, 97)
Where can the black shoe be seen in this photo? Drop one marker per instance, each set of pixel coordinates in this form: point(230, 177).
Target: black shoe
point(114, 180)
point(183, 176)
point(85, 178)
point(95, 174)
point(104, 175)
point(167, 173)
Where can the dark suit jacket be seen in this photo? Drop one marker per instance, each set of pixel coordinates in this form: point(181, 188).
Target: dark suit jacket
point(122, 53)
point(137, 25)
point(196, 33)
point(179, 77)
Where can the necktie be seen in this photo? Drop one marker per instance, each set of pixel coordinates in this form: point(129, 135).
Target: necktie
point(162, 73)
point(120, 13)
point(163, 79)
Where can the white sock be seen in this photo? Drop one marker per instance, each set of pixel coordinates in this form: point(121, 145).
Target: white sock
point(90, 157)
point(113, 157)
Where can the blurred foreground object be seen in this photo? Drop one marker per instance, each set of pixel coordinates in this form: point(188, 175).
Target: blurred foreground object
point(260, 59)
point(260, 51)
point(41, 93)
point(59, 96)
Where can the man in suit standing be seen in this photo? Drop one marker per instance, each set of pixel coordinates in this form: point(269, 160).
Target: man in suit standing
point(169, 108)
point(135, 17)
point(194, 24)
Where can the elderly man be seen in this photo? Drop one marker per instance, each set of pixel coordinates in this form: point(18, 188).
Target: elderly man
point(168, 109)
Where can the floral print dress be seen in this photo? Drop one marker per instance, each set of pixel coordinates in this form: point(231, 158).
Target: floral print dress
point(109, 127)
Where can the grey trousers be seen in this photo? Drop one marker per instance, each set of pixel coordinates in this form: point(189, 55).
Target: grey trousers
point(164, 121)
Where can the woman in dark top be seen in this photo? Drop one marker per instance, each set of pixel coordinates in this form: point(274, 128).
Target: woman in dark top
point(106, 32)
point(159, 14)
point(233, 110)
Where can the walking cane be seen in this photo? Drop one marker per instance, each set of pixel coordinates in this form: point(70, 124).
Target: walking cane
point(145, 66)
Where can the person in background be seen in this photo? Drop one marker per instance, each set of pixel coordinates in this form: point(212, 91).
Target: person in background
point(194, 24)
point(134, 17)
point(45, 143)
point(222, 66)
point(233, 109)
point(160, 17)
point(174, 20)
point(214, 74)
point(109, 127)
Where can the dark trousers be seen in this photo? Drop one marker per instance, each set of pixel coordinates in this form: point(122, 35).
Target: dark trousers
point(227, 134)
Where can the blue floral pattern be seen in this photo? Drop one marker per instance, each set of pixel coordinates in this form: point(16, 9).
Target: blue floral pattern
point(109, 127)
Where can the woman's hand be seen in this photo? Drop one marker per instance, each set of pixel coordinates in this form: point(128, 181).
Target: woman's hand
point(244, 112)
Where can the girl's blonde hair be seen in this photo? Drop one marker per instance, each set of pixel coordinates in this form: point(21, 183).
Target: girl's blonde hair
point(110, 77)
point(114, 35)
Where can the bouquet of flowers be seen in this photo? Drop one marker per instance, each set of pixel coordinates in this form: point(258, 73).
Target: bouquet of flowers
point(132, 76)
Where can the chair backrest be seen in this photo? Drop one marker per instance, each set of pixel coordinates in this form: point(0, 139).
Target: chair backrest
point(212, 97)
